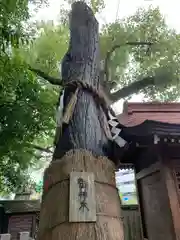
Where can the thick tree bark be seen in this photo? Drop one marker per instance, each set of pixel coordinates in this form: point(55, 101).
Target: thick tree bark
point(81, 62)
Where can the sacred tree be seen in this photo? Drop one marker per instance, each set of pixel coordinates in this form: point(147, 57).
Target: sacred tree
point(80, 198)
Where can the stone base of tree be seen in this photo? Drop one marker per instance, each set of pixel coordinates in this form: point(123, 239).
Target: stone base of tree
point(54, 216)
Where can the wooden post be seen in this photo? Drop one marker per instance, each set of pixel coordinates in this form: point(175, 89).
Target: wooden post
point(83, 148)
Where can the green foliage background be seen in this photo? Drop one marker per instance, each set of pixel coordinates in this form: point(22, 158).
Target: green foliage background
point(28, 103)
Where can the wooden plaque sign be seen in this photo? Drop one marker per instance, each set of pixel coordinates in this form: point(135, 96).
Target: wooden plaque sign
point(82, 203)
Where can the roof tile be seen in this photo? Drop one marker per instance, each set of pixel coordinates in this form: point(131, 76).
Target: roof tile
point(136, 113)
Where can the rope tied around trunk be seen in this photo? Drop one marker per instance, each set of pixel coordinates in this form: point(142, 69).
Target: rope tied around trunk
point(111, 126)
point(99, 98)
point(69, 109)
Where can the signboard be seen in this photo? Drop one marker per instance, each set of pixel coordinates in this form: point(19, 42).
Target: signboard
point(82, 203)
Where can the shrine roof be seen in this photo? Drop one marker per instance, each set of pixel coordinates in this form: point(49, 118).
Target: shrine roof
point(20, 206)
point(149, 128)
point(136, 113)
point(142, 121)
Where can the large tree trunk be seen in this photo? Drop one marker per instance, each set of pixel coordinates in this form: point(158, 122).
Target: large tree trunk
point(84, 132)
point(81, 62)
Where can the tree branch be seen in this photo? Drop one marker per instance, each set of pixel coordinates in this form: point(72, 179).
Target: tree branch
point(47, 150)
point(109, 53)
point(124, 92)
point(57, 81)
point(133, 88)
point(52, 80)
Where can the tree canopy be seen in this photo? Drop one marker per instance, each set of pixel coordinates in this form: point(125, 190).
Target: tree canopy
point(138, 54)
point(26, 105)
